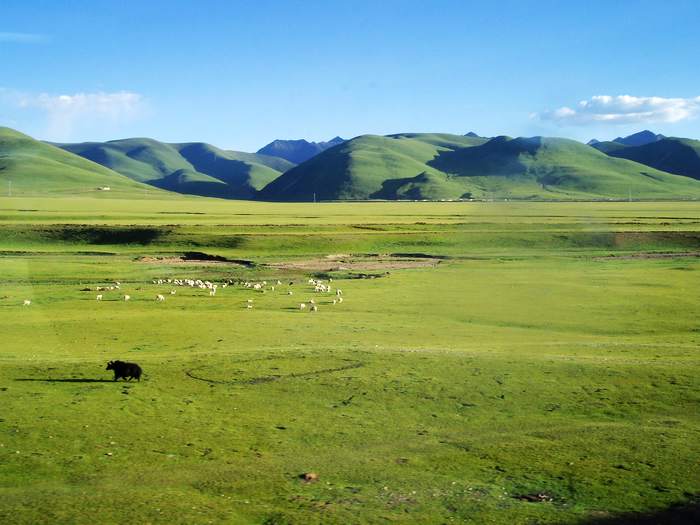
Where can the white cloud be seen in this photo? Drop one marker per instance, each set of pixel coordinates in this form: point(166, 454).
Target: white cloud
point(22, 38)
point(67, 115)
point(624, 109)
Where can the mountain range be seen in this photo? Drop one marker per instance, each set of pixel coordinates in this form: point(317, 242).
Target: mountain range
point(194, 167)
point(430, 166)
point(442, 166)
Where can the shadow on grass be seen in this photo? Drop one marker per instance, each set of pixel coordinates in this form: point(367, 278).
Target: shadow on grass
point(66, 380)
point(678, 514)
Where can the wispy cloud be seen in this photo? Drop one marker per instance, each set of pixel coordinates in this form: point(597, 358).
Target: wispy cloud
point(23, 38)
point(624, 109)
point(71, 115)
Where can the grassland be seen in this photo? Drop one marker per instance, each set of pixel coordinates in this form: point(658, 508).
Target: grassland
point(551, 348)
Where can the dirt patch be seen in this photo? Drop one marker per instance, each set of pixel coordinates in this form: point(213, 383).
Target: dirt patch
point(652, 255)
point(340, 262)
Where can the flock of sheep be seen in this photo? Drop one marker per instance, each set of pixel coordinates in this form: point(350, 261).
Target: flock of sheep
point(319, 286)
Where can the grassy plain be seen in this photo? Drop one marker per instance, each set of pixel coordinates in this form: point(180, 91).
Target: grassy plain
point(553, 349)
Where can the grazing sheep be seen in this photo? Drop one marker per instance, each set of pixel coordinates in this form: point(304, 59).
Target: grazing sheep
point(312, 301)
point(334, 301)
point(279, 283)
point(26, 302)
point(339, 292)
point(172, 292)
point(127, 297)
point(128, 371)
point(272, 288)
point(302, 306)
point(160, 298)
point(314, 308)
point(212, 293)
point(340, 299)
point(99, 297)
point(290, 292)
point(249, 306)
point(250, 301)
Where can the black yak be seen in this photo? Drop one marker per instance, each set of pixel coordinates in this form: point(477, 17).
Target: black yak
point(128, 371)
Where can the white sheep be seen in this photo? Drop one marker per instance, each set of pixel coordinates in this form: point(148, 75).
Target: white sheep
point(290, 292)
point(314, 308)
point(338, 291)
point(340, 299)
point(172, 292)
point(26, 302)
point(302, 306)
point(249, 306)
point(127, 297)
point(99, 297)
point(160, 298)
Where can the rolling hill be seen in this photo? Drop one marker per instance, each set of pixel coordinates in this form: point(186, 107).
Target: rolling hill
point(441, 166)
point(193, 168)
point(673, 155)
point(32, 167)
point(297, 151)
point(358, 168)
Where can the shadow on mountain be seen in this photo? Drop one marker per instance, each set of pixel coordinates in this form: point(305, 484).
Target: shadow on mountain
point(405, 188)
point(499, 156)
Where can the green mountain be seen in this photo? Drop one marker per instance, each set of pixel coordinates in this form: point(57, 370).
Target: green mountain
point(358, 169)
point(194, 167)
point(671, 154)
point(441, 166)
point(32, 167)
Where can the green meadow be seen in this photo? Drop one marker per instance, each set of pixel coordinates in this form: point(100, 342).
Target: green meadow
point(489, 363)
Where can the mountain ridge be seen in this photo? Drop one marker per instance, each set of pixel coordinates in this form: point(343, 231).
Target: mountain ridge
point(298, 150)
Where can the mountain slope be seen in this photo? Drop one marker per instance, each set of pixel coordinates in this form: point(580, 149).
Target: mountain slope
point(34, 167)
point(359, 168)
point(297, 151)
point(558, 168)
point(674, 155)
point(193, 168)
point(440, 166)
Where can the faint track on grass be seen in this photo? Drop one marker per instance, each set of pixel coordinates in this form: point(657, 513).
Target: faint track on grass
point(269, 379)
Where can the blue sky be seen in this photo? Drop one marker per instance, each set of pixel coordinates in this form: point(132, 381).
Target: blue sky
point(240, 74)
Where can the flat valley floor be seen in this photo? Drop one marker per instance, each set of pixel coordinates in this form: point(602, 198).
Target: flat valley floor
point(489, 363)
